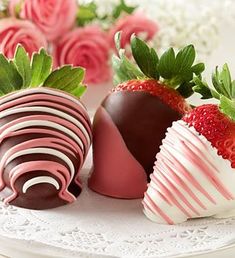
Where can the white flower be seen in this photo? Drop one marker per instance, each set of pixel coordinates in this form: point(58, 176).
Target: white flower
point(185, 22)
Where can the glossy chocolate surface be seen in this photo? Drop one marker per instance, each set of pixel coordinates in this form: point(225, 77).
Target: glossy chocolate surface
point(142, 120)
point(44, 138)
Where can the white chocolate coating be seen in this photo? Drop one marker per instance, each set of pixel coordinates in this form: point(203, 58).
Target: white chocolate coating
point(189, 180)
point(40, 180)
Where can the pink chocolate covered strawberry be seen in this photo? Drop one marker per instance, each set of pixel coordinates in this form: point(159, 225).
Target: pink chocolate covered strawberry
point(194, 170)
point(45, 131)
point(131, 121)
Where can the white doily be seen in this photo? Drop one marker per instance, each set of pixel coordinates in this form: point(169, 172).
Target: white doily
point(96, 226)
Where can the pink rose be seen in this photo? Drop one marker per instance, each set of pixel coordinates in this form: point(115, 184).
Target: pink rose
point(87, 47)
point(52, 17)
point(137, 24)
point(13, 32)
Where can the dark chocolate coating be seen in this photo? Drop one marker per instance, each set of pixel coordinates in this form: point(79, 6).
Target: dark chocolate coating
point(39, 196)
point(57, 160)
point(142, 120)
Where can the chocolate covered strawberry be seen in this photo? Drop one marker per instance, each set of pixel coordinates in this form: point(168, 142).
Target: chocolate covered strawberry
point(194, 170)
point(131, 121)
point(45, 131)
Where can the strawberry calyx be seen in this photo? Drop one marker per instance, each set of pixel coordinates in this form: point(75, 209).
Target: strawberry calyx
point(223, 89)
point(175, 70)
point(23, 72)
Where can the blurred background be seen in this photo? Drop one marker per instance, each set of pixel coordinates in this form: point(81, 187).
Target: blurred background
point(81, 33)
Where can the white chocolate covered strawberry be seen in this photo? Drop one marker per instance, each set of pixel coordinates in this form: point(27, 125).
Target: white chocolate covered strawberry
point(194, 171)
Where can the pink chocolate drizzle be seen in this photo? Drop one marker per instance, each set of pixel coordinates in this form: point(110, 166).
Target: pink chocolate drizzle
point(57, 138)
point(170, 173)
point(121, 175)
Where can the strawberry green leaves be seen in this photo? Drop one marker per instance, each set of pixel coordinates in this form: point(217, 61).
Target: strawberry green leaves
point(198, 69)
point(202, 88)
point(41, 68)
point(227, 106)
point(10, 78)
point(145, 57)
point(222, 82)
point(22, 63)
point(167, 64)
point(223, 89)
point(124, 69)
point(21, 73)
point(176, 70)
point(222, 85)
point(184, 60)
point(67, 79)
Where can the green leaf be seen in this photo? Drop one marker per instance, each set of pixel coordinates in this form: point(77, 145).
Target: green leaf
point(124, 69)
point(41, 68)
point(155, 60)
point(178, 70)
point(1, 93)
point(16, 74)
point(198, 68)
point(22, 63)
point(117, 40)
point(122, 7)
point(222, 81)
point(225, 78)
point(216, 82)
point(145, 57)
point(167, 64)
point(65, 78)
point(184, 59)
point(179, 79)
point(227, 106)
point(186, 89)
point(10, 79)
point(86, 13)
point(79, 91)
point(202, 88)
point(233, 89)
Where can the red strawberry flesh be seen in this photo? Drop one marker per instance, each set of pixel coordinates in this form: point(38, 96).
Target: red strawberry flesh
point(166, 94)
point(218, 129)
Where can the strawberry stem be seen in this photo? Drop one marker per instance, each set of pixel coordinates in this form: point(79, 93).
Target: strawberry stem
point(174, 70)
point(22, 72)
point(223, 90)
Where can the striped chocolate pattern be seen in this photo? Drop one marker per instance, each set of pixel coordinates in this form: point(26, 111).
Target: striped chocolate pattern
point(189, 179)
point(45, 136)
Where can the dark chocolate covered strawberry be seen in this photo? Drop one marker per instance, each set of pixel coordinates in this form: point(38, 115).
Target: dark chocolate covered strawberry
point(194, 171)
point(45, 131)
point(131, 121)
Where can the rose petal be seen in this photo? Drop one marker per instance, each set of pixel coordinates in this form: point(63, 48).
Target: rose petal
point(14, 31)
point(87, 47)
